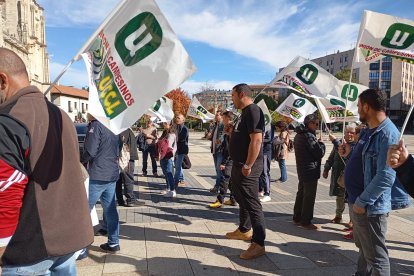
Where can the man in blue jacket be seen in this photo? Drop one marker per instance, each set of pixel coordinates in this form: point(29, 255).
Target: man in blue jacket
point(101, 153)
point(371, 184)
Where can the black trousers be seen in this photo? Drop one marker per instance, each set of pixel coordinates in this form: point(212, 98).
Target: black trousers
point(245, 190)
point(225, 183)
point(126, 179)
point(305, 201)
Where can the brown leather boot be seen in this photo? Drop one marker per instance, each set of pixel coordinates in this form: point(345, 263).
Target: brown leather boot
point(238, 235)
point(253, 252)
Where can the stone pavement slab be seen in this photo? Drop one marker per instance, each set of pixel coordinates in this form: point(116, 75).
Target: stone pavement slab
point(181, 236)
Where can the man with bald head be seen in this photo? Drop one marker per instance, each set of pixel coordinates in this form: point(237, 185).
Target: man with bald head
point(43, 207)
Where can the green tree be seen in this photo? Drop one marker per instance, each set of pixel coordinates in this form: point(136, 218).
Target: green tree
point(344, 75)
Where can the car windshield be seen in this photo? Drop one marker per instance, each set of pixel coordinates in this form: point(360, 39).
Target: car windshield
point(81, 128)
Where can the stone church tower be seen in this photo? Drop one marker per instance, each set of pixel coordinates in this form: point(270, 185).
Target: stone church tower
point(22, 29)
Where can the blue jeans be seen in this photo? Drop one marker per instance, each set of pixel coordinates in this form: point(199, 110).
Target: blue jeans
point(54, 266)
point(283, 172)
point(149, 150)
point(264, 179)
point(105, 190)
point(218, 158)
point(369, 236)
point(167, 170)
point(178, 176)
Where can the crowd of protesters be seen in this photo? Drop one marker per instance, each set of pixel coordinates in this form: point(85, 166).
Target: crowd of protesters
point(370, 170)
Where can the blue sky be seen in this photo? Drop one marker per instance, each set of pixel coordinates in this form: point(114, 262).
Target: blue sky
point(230, 41)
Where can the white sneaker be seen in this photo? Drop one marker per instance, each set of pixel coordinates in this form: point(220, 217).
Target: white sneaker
point(165, 191)
point(171, 194)
point(265, 199)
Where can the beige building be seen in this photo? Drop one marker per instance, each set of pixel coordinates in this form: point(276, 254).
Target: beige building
point(213, 100)
point(22, 29)
point(72, 100)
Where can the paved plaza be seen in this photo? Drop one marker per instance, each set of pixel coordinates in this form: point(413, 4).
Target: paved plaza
point(182, 236)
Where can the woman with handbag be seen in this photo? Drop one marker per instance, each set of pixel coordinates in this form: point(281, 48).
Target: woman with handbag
point(166, 148)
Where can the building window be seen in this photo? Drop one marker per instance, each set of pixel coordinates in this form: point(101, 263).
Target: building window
point(386, 65)
point(340, 60)
point(374, 66)
point(83, 108)
point(385, 85)
point(69, 106)
point(331, 61)
point(76, 105)
point(374, 75)
point(346, 59)
point(86, 107)
point(327, 63)
point(386, 75)
point(373, 84)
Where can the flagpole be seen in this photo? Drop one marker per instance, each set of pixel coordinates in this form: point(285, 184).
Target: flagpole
point(347, 93)
point(59, 76)
point(266, 86)
point(406, 121)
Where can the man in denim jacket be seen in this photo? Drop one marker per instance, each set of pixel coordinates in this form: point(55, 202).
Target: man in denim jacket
point(372, 187)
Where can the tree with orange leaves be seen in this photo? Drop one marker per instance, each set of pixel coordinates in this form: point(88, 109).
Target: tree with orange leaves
point(181, 100)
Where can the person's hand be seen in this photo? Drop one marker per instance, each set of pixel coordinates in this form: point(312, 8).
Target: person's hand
point(358, 210)
point(222, 167)
point(344, 149)
point(218, 142)
point(331, 137)
point(397, 155)
point(246, 172)
point(325, 174)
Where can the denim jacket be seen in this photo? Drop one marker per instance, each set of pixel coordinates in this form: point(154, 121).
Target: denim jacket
point(382, 190)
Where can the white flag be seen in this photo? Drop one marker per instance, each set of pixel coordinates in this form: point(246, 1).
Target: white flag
point(306, 77)
point(296, 108)
point(385, 35)
point(266, 114)
point(196, 110)
point(162, 109)
point(133, 59)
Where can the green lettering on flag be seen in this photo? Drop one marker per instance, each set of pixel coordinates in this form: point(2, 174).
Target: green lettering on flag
point(399, 36)
point(299, 103)
point(307, 73)
point(337, 102)
point(352, 94)
point(138, 38)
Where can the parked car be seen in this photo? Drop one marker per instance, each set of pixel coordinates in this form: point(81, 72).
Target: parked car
point(81, 129)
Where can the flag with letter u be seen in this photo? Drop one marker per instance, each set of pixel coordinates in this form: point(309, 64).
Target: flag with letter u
point(133, 59)
point(296, 108)
point(385, 35)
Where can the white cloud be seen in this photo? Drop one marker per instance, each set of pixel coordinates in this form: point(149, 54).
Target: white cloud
point(72, 77)
point(271, 31)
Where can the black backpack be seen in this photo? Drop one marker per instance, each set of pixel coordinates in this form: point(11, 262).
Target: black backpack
point(277, 148)
point(141, 141)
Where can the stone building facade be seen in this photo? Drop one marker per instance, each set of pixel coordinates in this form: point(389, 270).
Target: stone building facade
point(22, 29)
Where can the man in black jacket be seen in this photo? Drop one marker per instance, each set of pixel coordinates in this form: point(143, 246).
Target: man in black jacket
point(308, 152)
point(102, 153)
point(126, 176)
point(403, 163)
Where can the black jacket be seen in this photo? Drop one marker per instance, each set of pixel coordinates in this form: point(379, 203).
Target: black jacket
point(308, 153)
point(129, 138)
point(405, 174)
point(101, 152)
point(182, 139)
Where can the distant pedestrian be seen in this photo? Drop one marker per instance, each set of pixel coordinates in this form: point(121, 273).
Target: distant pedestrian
point(264, 179)
point(151, 136)
point(226, 165)
point(101, 154)
point(44, 215)
point(217, 137)
point(283, 130)
point(309, 152)
point(166, 155)
point(125, 184)
point(181, 133)
point(247, 155)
